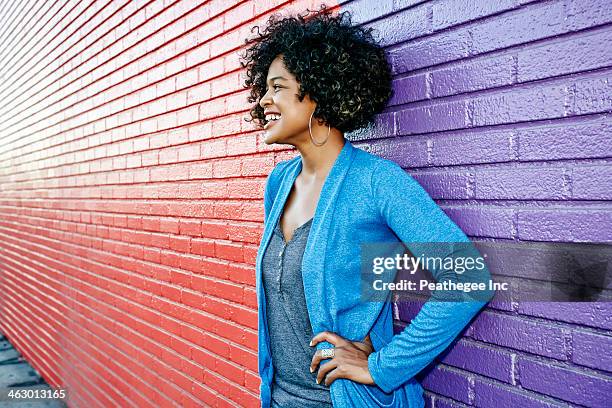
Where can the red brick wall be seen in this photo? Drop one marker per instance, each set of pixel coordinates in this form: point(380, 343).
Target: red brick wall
point(131, 201)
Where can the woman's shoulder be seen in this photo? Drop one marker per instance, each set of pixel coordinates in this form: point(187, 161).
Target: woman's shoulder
point(380, 175)
point(375, 166)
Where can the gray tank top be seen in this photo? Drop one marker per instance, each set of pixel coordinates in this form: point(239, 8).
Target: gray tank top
point(293, 384)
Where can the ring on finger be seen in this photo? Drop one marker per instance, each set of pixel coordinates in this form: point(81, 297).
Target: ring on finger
point(327, 353)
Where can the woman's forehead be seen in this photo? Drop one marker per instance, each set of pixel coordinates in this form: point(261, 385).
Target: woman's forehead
point(278, 71)
point(277, 68)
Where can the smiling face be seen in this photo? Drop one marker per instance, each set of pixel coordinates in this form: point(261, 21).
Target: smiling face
point(286, 117)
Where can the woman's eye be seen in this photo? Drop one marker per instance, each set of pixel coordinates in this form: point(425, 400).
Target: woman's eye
point(274, 87)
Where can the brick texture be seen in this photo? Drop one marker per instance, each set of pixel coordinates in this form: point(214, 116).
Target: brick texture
point(131, 188)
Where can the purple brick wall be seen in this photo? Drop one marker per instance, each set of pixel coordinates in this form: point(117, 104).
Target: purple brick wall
point(502, 112)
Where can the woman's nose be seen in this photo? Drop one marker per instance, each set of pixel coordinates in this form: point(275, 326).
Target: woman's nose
point(265, 100)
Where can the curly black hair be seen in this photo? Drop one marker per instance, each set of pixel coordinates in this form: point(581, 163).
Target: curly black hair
point(341, 67)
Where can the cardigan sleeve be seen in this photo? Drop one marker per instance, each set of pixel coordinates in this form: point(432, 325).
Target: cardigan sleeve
point(414, 217)
point(268, 199)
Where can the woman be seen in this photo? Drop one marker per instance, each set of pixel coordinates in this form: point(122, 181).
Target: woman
point(320, 344)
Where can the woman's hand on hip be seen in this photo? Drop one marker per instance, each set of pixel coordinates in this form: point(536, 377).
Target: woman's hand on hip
point(350, 359)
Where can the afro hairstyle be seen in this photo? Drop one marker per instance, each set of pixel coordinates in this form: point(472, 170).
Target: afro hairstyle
point(340, 66)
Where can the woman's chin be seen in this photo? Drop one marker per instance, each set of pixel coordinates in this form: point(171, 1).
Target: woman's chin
point(271, 137)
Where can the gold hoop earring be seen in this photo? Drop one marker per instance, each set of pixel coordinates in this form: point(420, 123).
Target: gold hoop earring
point(310, 131)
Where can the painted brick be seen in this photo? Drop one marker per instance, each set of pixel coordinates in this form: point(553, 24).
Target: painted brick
point(566, 383)
point(577, 53)
point(439, 402)
point(597, 315)
point(472, 147)
point(451, 115)
point(527, 103)
point(266, 5)
point(429, 399)
point(449, 13)
point(448, 382)
point(414, 23)
point(200, 170)
point(592, 94)
point(240, 189)
point(481, 73)
point(482, 360)
point(483, 221)
point(592, 182)
point(227, 168)
point(407, 310)
point(589, 139)
point(433, 50)
point(407, 153)
point(238, 15)
point(384, 125)
point(213, 148)
point(517, 27)
point(211, 109)
point(574, 225)
point(199, 93)
point(257, 166)
point(251, 381)
point(592, 350)
point(520, 334)
point(446, 185)
point(493, 395)
point(408, 89)
point(240, 145)
point(521, 183)
point(582, 15)
point(225, 84)
point(363, 11)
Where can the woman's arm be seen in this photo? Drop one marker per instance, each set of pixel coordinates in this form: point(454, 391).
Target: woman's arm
point(268, 197)
point(415, 218)
point(418, 221)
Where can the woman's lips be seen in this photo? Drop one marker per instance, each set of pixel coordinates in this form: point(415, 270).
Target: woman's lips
point(270, 124)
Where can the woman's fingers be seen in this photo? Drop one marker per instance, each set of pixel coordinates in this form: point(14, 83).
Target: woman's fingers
point(326, 368)
point(365, 345)
point(329, 337)
point(316, 359)
point(348, 359)
point(333, 376)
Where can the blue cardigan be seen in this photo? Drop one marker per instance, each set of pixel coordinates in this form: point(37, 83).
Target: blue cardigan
point(365, 198)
